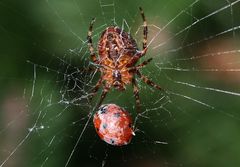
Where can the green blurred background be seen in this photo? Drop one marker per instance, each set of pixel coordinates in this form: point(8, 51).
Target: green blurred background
point(42, 106)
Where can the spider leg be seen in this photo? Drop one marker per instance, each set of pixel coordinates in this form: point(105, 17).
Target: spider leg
point(140, 54)
point(148, 81)
point(136, 94)
point(103, 95)
point(90, 43)
point(144, 63)
point(145, 29)
point(95, 89)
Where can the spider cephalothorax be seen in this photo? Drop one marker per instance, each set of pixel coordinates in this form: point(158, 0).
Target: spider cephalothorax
point(117, 57)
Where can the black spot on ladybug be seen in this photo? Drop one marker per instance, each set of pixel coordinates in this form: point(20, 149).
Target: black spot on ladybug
point(104, 126)
point(103, 110)
point(130, 125)
point(117, 115)
point(112, 141)
point(97, 129)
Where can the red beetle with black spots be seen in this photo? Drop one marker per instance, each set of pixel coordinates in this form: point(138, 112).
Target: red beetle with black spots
point(113, 125)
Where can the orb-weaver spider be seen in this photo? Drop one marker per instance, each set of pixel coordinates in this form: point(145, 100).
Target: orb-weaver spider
point(117, 57)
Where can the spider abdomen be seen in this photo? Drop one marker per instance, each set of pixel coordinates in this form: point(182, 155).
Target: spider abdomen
point(115, 43)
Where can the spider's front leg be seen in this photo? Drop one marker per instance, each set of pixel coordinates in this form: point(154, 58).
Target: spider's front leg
point(144, 63)
point(90, 43)
point(136, 94)
point(148, 81)
point(106, 88)
point(95, 89)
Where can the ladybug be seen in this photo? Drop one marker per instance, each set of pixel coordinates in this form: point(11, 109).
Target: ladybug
point(113, 125)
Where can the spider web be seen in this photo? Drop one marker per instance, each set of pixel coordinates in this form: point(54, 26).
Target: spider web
point(47, 75)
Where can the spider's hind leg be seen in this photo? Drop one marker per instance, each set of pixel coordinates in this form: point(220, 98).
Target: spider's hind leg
point(90, 43)
point(145, 29)
point(141, 53)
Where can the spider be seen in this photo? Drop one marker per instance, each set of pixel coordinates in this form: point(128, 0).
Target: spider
point(117, 57)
